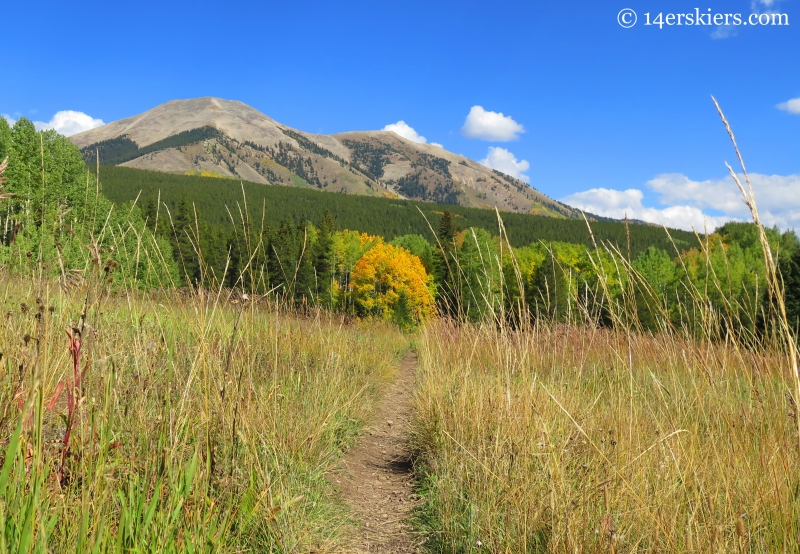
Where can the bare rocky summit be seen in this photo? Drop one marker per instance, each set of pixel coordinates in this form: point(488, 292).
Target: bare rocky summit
point(228, 138)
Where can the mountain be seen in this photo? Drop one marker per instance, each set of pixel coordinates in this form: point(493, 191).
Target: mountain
point(225, 138)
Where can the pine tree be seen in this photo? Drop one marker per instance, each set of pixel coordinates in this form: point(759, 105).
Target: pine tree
point(282, 258)
point(323, 259)
point(447, 231)
point(235, 249)
point(183, 242)
point(150, 214)
point(446, 268)
point(214, 254)
point(305, 289)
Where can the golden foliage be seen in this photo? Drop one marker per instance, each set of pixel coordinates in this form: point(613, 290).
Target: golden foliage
point(391, 282)
point(204, 173)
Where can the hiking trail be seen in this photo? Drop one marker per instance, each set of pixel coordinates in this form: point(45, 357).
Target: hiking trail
point(376, 480)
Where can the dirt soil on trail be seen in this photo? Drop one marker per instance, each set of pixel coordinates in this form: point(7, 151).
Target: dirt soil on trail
point(376, 480)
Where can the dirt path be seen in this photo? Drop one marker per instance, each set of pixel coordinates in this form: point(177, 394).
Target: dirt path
point(376, 479)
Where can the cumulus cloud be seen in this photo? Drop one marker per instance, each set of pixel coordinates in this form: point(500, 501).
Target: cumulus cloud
point(621, 203)
point(66, 122)
point(777, 196)
point(687, 201)
point(493, 126)
point(406, 131)
point(69, 122)
point(504, 161)
point(791, 106)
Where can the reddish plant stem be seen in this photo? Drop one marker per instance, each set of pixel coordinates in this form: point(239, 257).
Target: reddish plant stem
point(72, 392)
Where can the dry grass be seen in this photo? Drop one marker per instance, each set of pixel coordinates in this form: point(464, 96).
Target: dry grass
point(587, 440)
point(200, 423)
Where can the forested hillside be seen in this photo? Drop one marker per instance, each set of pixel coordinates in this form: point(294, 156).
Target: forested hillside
point(216, 199)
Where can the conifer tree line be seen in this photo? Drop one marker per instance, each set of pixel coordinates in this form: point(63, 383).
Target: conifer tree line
point(55, 218)
point(213, 199)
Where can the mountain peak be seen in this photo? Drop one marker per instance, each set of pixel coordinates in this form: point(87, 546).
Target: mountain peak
point(231, 139)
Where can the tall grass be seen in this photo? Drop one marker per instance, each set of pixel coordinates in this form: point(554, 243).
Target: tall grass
point(575, 437)
point(176, 421)
point(565, 437)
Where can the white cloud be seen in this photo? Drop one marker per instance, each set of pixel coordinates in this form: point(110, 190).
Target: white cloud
point(621, 203)
point(406, 131)
point(791, 106)
point(66, 122)
point(69, 122)
point(493, 126)
point(777, 197)
point(504, 161)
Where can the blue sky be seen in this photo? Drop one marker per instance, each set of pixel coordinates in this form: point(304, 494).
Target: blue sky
point(615, 120)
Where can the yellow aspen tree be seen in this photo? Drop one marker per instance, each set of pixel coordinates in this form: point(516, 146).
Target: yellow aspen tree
point(390, 282)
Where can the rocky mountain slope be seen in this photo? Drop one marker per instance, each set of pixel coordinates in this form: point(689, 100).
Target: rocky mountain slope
point(227, 138)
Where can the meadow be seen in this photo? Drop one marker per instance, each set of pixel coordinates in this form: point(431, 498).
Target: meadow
point(177, 422)
point(569, 398)
point(572, 439)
